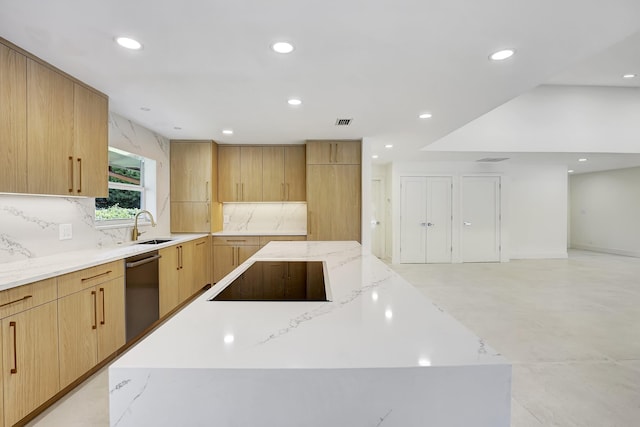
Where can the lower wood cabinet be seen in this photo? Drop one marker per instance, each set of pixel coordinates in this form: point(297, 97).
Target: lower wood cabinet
point(184, 270)
point(231, 251)
point(91, 318)
point(29, 360)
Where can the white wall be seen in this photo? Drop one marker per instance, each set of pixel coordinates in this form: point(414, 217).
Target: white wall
point(605, 211)
point(537, 210)
point(533, 205)
point(29, 224)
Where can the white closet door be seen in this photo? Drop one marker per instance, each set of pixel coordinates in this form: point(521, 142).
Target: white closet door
point(377, 219)
point(480, 229)
point(413, 216)
point(438, 219)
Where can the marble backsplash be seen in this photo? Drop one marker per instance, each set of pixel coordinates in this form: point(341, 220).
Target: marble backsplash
point(261, 217)
point(29, 225)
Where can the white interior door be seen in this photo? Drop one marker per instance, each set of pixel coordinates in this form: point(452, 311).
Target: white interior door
point(480, 231)
point(438, 219)
point(413, 216)
point(425, 220)
point(377, 219)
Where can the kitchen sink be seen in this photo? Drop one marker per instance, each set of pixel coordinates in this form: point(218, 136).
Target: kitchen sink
point(154, 242)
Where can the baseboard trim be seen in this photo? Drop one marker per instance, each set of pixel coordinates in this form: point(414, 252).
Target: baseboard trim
point(539, 255)
point(611, 251)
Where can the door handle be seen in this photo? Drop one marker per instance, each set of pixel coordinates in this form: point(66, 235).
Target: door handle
point(80, 175)
point(13, 325)
point(467, 223)
point(95, 310)
point(71, 174)
point(430, 224)
point(423, 224)
point(102, 322)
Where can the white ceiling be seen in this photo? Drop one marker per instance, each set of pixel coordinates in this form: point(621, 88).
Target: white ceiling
point(206, 65)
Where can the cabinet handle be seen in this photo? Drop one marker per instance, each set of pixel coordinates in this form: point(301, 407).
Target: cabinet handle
point(96, 276)
point(206, 191)
point(237, 192)
point(208, 213)
point(243, 191)
point(95, 310)
point(102, 322)
point(14, 370)
point(200, 243)
point(309, 220)
point(236, 240)
point(288, 193)
point(15, 301)
point(233, 256)
point(70, 174)
point(336, 153)
point(282, 191)
point(80, 173)
point(178, 256)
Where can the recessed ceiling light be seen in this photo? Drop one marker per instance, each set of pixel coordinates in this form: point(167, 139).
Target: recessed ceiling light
point(582, 160)
point(177, 128)
point(227, 131)
point(570, 171)
point(282, 47)
point(129, 43)
point(375, 156)
point(425, 116)
point(388, 146)
point(145, 108)
point(629, 76)
point(294, 101)
point(501, 55)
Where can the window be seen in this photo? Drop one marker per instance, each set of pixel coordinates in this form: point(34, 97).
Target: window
point(128, 187)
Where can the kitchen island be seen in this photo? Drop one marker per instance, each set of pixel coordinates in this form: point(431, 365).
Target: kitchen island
point(377, 353)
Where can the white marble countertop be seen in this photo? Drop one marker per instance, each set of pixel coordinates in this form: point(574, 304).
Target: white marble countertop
point(374, 319)
point(18, 273)
point(259, 233)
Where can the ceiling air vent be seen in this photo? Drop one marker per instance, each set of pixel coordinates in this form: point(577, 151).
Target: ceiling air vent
point(493, 159)
point(343, 122)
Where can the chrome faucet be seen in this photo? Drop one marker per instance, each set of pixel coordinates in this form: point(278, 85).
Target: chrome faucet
point(135, 233)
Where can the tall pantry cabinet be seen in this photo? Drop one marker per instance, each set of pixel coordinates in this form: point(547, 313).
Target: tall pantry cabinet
point(334, 190)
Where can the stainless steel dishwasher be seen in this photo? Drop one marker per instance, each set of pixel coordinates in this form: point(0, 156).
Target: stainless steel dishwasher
point(142, 293)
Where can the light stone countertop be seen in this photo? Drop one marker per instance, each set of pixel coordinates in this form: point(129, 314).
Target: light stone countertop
point(259, 233)
point(13, 274)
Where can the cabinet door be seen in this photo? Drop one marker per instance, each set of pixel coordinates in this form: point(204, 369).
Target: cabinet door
point(111, 317)
point(78, 324)
point(50, 144)
point(347, 152)
point(334, 152)
point(187, 275)
point(295, 175)
point(13, 121)
point(251, 174)
point(1, 381)
point(333, 202)
point(228, 174)
point(273, 183)
point(319, 152)
point(169, 276)
point(30, 360)
point(190, 171)
point(201, 264)
point(190, 217)
point(90, 117)
point(224, 261)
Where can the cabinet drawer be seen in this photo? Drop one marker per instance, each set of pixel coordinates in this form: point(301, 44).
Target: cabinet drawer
point(236, 240)
point(266, 239)
point(24, 297)
point(78, 280)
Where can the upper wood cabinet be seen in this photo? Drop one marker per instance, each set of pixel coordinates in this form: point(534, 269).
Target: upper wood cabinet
point(239, 174)
point(194, 190)
point(13, 121)
point(54, 130)
point(347, 152)
point(283, 174)
point(261, 173)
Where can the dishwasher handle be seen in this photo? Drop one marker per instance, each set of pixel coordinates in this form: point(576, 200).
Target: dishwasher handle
point(142, 261)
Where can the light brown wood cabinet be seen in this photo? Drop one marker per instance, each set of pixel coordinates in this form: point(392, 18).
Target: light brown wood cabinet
point(333, 202)
point(194, 190)
point(91, 318)
point(29, 352)
point(13, 121)
point(347, 152)
point(55, 129)
point(184, 270)
point(231, 251)
point(284, 175)
point(239, 174)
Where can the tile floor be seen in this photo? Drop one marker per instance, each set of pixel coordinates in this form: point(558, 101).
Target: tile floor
point(570, 327)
